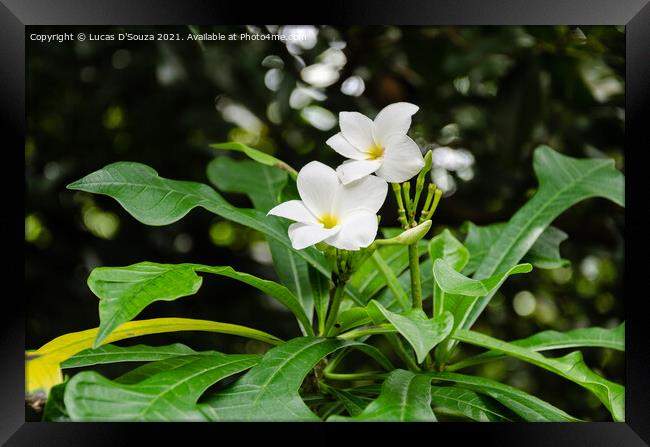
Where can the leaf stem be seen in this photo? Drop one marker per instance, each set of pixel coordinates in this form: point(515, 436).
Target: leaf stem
point(332, 364)
point(414, 262)
point(370, 375)
point(393, 284)
point(337, 298)
point(438, 300)
point(414, 267)
point(385, 328)
point(471, 361)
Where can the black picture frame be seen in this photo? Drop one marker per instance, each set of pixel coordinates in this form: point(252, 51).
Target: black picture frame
point(15, 15)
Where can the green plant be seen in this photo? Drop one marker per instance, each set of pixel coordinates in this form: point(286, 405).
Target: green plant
point(345, 288)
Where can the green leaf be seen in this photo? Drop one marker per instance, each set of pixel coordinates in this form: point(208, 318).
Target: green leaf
point(269, 391)
point(544, 253)
point(151, 199)
point(257, 155)
point(330, 408)
point(114, 354)
point(147, 370)
point(294, 272)
point(372, 352)
point(387, 298)
point(421, 333)
point(371, 389)
point(167, 396)
point(353, 317)
point(563, 182)
point(353, 404)
point(391, 281)
point(446, 247)
point(478, 242)
point(125, 291)
point(261, 184)
point(571, 367)
point(530, 408)
point(404, 396)
point(457, 293)
point(320, 287)
point(289, 192)
point(54, 410)
point(455, 283)
point(154, 200)
point(548, 340)
point(468, 403)
point(367, 281)
point(264, 186)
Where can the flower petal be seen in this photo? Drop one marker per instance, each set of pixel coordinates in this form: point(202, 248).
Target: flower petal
point(357, 129)
point(343, 147)
point(304, 235)
point(402, 159)
point(392, 119)
point(358, 230)
point(367, 193)
point(294, 210)
point(317, 185)
point(352, 170)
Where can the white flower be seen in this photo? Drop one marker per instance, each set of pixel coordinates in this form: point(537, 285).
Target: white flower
point(344, 216)
point(380, 146)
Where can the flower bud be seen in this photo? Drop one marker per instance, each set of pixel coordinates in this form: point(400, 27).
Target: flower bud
point(428, 161)
point(408, 237)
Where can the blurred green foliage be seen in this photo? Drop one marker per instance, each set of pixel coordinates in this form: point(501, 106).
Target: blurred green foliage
point(487, 96)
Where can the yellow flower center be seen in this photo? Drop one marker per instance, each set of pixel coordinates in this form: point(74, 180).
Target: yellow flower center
point(328, 220)
point(375, 151)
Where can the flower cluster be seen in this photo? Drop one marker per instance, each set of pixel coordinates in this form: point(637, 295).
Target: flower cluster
point(340, 207)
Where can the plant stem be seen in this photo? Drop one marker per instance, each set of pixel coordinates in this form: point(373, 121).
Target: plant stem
point(471, 361)
point(391, 280)
point(414, 259)
point(370, 375)
point(335, 303)
point(428, 362)
point(438, 301)
point(368, 330)
point(442, 355)
point(414, 267)
point(338, 358)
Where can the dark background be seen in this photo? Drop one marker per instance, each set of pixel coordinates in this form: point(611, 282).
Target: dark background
point(496, 92)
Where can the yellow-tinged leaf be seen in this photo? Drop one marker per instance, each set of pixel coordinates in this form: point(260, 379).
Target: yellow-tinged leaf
point(42, 366)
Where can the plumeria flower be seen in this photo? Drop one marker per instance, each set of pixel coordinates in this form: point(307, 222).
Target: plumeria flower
point(380, 146)
point(343, 216)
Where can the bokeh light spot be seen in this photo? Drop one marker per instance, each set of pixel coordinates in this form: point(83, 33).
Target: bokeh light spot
point(524, 303)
